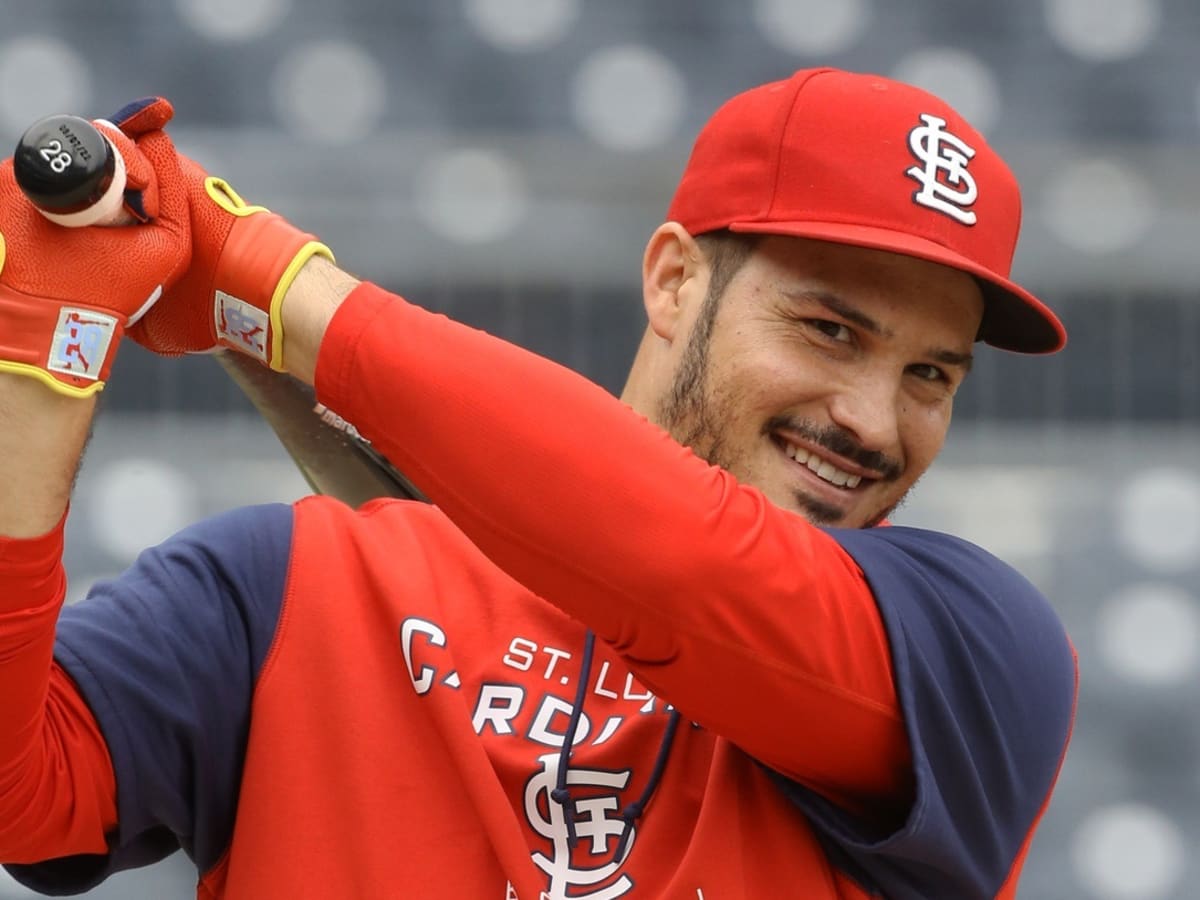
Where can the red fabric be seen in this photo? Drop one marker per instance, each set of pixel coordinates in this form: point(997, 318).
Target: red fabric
point(381, 763)
point(779, 632)
point(57, 791)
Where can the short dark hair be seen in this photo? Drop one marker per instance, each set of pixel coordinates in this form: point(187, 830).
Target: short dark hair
point(682, 409)
point(726, 252)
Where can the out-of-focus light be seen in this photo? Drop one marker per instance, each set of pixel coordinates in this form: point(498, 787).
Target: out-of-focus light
point(812, 26)
point(628, 97)
point(1158, 519)
point(1104, 30)
point(959, 78)
point(1098, 206)
point(1129, 852)
point(471, 196)
point(41, 76)
point(522, 25)
point(137, 503)
point(332, 92)
point(1150, 633)
point(234, 21)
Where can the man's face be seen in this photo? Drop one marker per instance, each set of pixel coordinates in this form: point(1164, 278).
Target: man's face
point(827, 376)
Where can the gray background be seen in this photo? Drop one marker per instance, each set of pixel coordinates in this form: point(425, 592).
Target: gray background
point(505, 160)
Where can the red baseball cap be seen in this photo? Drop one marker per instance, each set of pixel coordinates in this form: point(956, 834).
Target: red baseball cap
point(864, 160)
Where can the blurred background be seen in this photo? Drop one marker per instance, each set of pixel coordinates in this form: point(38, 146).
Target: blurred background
point(504, 161)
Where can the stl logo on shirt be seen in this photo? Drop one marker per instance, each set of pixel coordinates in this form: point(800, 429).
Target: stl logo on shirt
point(597, 827)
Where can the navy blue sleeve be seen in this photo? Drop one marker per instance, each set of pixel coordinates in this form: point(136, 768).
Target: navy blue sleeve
point(985, 675)
point(166, 656)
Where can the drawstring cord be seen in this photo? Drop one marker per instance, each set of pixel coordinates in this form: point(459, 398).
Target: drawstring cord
point(561, 793)
point(634, 810)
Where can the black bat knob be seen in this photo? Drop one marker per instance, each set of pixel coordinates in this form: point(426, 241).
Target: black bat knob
point(63, 164)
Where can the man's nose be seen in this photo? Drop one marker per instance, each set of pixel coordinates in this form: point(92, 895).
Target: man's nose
point(869, 408)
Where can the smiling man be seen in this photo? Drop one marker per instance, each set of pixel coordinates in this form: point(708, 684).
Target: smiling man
point(822, 374)
point(661, 648)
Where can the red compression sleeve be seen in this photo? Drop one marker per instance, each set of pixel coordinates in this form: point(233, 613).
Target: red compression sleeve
point(57, 790)
point(749, 620)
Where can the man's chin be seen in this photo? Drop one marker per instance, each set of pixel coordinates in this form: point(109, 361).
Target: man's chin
point(819, 512)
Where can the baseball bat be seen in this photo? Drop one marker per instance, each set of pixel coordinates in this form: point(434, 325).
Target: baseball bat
point(75, 177)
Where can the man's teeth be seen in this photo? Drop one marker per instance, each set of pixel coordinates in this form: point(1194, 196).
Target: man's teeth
point(823, 468)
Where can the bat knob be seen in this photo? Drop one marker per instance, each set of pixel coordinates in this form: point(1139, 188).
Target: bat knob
point(70, 171)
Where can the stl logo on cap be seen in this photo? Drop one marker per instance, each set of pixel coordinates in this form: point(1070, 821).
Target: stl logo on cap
point(946, 185)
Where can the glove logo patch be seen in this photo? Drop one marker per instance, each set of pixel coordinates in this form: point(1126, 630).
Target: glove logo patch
point(241, 325)
point(81, 342)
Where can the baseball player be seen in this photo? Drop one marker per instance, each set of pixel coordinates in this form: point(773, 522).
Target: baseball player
point(664, 648)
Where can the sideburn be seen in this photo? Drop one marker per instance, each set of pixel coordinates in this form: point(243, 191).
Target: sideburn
point(684, 409)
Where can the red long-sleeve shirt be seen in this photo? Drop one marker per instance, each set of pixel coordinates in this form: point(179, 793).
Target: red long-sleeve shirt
point(318, 702)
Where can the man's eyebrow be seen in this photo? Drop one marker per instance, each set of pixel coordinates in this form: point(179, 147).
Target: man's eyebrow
point(963, 361)
point(840, 307)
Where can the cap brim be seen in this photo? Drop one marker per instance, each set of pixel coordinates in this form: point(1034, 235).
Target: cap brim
point(1013, 319)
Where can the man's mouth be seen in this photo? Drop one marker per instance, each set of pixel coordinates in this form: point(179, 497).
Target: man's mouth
point(822, 468)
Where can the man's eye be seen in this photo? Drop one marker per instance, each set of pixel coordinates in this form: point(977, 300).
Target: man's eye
point(835, 330)
point(927, 372)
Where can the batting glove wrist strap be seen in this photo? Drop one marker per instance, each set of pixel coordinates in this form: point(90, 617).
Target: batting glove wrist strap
point(68, 347)
point(244, 258)
point(256, 265)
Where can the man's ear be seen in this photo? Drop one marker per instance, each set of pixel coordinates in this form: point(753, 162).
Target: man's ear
point(673, 269)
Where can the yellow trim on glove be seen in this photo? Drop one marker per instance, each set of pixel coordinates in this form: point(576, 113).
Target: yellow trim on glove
point(37, 372)
point(307, 252)
point(59, 387)
point(222, 193)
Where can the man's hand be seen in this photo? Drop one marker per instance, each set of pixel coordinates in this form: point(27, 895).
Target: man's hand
point(244, 259)
point(68, 294)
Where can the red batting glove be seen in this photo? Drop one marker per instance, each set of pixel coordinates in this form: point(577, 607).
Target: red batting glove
point(68, 294)
point(244, 258)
